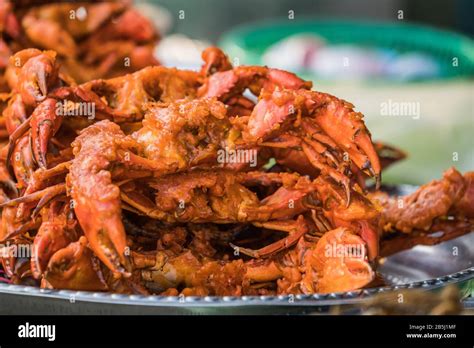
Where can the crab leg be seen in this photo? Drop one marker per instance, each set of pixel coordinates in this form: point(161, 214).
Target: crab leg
point(295, 229)
point(44, 124)
point(48, 192)
point(36, 182)
point(141, 204)
point(316, 160)
point(14, 137)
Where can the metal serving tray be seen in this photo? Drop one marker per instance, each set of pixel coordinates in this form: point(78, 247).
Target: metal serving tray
point(423, 267)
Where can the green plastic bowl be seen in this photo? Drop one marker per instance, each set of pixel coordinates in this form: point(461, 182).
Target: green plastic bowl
point(249, 42)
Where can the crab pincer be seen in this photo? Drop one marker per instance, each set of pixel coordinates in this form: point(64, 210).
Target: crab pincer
point(74, 267)
point(45, 122)
point(96, 199)
point(329, 132)
point(56, 232)
point(346, 127)
point(340, 259)
point(37, 76)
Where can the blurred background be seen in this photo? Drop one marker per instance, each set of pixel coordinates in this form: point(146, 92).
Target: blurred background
point(407, 65)
point(222, 15)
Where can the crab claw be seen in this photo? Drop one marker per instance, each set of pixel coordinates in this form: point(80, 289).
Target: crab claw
point(340, 260)
point(329, 131)
point(36, 76)
point(96, 199)
point(214, 60)
point(22, 166)
point(44, 125)
point(74, 268)
point(100, 218)
point(346, 127)
point(52, 236)
point(48, 240)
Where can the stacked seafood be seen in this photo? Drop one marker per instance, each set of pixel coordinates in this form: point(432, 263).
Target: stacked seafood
point(227, 181)
point(91, 39)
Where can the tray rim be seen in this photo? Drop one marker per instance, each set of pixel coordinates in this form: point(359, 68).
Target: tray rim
point(336, 298)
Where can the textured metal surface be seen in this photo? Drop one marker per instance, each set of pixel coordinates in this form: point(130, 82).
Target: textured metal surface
point(30, 300)
point(429, 262)
point(423, 267)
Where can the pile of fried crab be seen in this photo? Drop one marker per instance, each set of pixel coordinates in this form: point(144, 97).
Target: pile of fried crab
point(224, 181)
